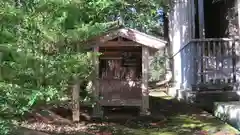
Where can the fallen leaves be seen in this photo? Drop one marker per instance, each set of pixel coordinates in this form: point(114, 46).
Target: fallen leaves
point(53, 128)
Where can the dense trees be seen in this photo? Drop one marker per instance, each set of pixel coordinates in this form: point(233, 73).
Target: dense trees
point(38, 54)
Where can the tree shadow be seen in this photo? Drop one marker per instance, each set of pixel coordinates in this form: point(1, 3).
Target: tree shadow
point(168, 116)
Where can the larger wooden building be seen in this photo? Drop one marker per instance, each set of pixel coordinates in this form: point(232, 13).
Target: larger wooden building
point(204, 45)
point(205, 50)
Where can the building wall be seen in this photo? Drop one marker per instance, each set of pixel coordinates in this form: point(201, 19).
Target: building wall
point(182, 30)
point(180, 33)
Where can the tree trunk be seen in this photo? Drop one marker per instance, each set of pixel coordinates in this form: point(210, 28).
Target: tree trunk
point(75, 101)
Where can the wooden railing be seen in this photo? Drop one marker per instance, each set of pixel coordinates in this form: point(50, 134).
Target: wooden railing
point(210, 62)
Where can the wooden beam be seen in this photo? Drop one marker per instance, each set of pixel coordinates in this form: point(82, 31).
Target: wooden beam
point(192, 4)
point(238, 10)
point(145, 91)
point(120, 49)
point(75, 101)
point(117, 53)
point(201, 18)
point(189, 20)
point(110, 58)
point(119, 44)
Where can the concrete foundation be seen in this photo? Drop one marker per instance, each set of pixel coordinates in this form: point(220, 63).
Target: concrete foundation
point(204, 99)
point(229, 112)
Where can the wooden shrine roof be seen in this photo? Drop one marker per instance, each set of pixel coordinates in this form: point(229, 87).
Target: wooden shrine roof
point(130, 34)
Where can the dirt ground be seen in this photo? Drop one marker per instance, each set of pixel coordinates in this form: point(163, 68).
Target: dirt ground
point(169, 117)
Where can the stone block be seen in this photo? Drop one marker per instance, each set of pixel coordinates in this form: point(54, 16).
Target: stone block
point(228, 112)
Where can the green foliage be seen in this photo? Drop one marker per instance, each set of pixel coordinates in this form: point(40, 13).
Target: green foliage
point(157, 67)
point(5, 126)
point(41, 50)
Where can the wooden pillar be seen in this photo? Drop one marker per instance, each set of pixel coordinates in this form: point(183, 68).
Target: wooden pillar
point(75, 100)
point(97, 112)
point(145, 70)
point(189, 20)
point(192, 20)
point(238, 10)
point(201, 18)
point(236, 63)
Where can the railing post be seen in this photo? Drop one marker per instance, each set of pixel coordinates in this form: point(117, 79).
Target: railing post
point(194, 58)
point(200, 59)
point(234, 56)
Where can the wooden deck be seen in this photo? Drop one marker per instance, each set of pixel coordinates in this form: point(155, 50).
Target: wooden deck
point(210, 62)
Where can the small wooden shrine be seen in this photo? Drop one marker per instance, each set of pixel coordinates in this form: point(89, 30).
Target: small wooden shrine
point(122, 68)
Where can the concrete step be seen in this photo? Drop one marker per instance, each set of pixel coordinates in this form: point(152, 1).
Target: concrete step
point(206, 99)
point(228, 112)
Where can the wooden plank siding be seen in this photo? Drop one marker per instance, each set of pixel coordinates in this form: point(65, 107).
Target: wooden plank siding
point(123, 81)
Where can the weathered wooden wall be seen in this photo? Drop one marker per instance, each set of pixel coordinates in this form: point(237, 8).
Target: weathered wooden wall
point(120, 78)
point(181, 31)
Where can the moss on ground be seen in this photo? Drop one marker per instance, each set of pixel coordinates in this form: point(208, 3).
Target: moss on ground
point(181, 119)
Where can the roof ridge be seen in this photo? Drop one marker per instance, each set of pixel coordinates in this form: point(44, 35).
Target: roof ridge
point(147, 35)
